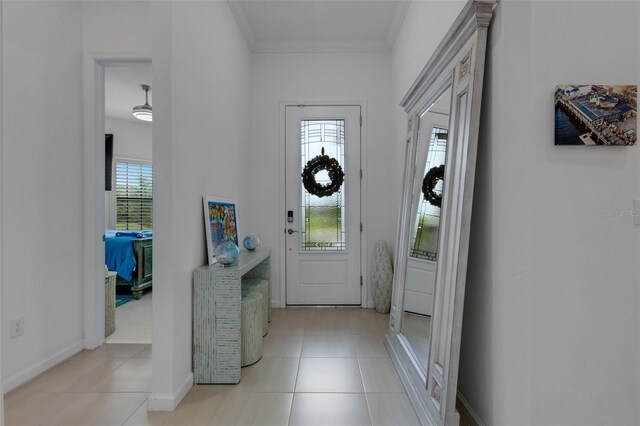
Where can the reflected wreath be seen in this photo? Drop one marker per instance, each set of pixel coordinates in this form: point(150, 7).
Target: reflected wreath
point(317, 164)
point(431, 179)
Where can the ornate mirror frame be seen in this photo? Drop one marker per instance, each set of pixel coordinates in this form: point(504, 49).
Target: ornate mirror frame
point(458, 63)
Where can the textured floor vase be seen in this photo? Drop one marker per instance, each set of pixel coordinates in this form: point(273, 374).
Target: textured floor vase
point(381, 278)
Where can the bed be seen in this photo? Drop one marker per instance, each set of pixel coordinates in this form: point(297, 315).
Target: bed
point(130, 254)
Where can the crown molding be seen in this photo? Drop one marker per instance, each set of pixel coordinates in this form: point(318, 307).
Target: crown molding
point(351, 45)
point(243, 23)
point(396, 22)
point(274, 46)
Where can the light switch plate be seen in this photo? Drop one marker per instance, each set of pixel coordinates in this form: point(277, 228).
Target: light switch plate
point(636, 212)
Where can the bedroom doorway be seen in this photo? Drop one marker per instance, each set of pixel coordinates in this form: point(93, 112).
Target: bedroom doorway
point(128, 203)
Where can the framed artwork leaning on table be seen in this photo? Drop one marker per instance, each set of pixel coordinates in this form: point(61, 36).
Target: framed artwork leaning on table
point(220, 223)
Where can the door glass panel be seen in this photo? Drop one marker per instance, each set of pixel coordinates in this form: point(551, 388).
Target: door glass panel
point(322, 217)
point(424, 239)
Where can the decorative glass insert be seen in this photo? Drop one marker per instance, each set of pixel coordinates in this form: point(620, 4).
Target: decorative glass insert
point(424, 240)
point(322, 219)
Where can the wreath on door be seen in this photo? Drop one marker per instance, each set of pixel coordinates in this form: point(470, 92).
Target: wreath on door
point(429, 183)
point(317, 164)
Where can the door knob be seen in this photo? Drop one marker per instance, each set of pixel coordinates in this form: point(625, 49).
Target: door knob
point(290, 231)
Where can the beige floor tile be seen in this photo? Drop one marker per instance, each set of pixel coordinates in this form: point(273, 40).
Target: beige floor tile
point(98, 409)
point(27, 409)
point(133, 321)
point(313, 409)
point(329, 345)
point(391, 409)
point(282, 345)
point(145, 353)
point(132, 376)
point(142, 417)
point(110, 350)
point(70, 374)
point(379, 375)
point(328, 320)
point(255, 409)
point(270, 375)
point(199, 407)
point(371, 346)
point(329, 375)
point(292, 321)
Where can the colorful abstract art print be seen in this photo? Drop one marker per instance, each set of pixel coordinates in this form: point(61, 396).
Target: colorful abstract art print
point(221, 224)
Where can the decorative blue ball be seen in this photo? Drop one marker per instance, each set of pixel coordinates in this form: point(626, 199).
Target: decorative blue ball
point(227, 253)
point(250, 242)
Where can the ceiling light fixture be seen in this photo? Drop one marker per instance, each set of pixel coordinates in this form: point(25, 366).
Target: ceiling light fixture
point(144, 112)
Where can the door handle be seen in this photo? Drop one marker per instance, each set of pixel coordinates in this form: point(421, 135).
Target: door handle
point(290, 231)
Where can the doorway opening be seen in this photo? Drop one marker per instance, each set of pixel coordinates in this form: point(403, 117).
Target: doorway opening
point(100, 203)
point(128, 226)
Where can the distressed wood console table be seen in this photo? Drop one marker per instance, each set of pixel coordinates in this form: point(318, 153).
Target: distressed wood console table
point(216, 315)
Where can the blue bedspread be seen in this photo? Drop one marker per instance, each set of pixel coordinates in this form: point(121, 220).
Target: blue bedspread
point(118, 251)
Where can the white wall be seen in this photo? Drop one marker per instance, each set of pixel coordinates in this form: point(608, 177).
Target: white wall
point(201, 146)
point(131, 141)
point(318, 77)
point(2, 329)
point(551, 317)
point(424, 26)
point(110, 30)
point(41, 185)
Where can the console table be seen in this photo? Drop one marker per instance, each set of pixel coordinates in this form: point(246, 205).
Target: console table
point(216, 315)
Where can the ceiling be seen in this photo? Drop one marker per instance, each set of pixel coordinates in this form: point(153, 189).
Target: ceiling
point(123, 91)
point(313, 25)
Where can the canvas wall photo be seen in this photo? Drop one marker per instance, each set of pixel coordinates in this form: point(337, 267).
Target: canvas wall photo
point(590, 114)
point(221, 224)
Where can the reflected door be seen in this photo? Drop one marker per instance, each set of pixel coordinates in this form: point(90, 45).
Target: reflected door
point(322, 179)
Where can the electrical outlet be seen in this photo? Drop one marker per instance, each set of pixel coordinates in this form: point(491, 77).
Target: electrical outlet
point(17, 327)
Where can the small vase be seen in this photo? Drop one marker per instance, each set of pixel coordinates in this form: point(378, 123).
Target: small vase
point(227, 253)
point(250, 242)
point(381, 278)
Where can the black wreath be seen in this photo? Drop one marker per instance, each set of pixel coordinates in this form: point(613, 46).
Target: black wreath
point(429, 183)
point(317, 164)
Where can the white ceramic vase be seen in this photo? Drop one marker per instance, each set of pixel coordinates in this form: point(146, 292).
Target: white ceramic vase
point(381, 278)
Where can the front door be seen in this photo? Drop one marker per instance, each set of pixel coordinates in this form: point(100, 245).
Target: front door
point(322, 217)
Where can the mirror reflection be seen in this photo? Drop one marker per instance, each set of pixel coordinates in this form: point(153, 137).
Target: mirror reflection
point(420, 277)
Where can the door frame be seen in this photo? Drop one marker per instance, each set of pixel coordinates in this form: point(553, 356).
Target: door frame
point(93, 174)
point(364, 293)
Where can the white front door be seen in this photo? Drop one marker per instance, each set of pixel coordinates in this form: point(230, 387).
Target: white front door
point(322, 217)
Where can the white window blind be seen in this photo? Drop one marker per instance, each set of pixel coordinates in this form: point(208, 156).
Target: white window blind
point(134, 195)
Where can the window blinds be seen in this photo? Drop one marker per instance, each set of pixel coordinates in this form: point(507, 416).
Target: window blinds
point(134, 196)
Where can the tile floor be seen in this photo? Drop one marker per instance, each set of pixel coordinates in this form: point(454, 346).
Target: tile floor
point(133, 321)
point(320, 367)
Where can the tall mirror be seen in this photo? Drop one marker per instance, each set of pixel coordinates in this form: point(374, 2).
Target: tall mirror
point(426, 201)
point(443, 119)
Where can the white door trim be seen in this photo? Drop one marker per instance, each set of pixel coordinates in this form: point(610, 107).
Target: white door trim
point(363, 193)
point(93, 174)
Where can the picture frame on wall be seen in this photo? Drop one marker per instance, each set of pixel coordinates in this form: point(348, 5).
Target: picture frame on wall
point(596, 114)
point(220, 223)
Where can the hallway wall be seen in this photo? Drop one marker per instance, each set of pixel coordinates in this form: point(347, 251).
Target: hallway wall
point(550, 332)
point(201, 133)
point(319, 77)
point(41, 185)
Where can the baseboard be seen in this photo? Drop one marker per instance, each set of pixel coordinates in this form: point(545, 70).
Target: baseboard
point(28, 374)
point(276, 304)
point(468, 412)
point(169, 402)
